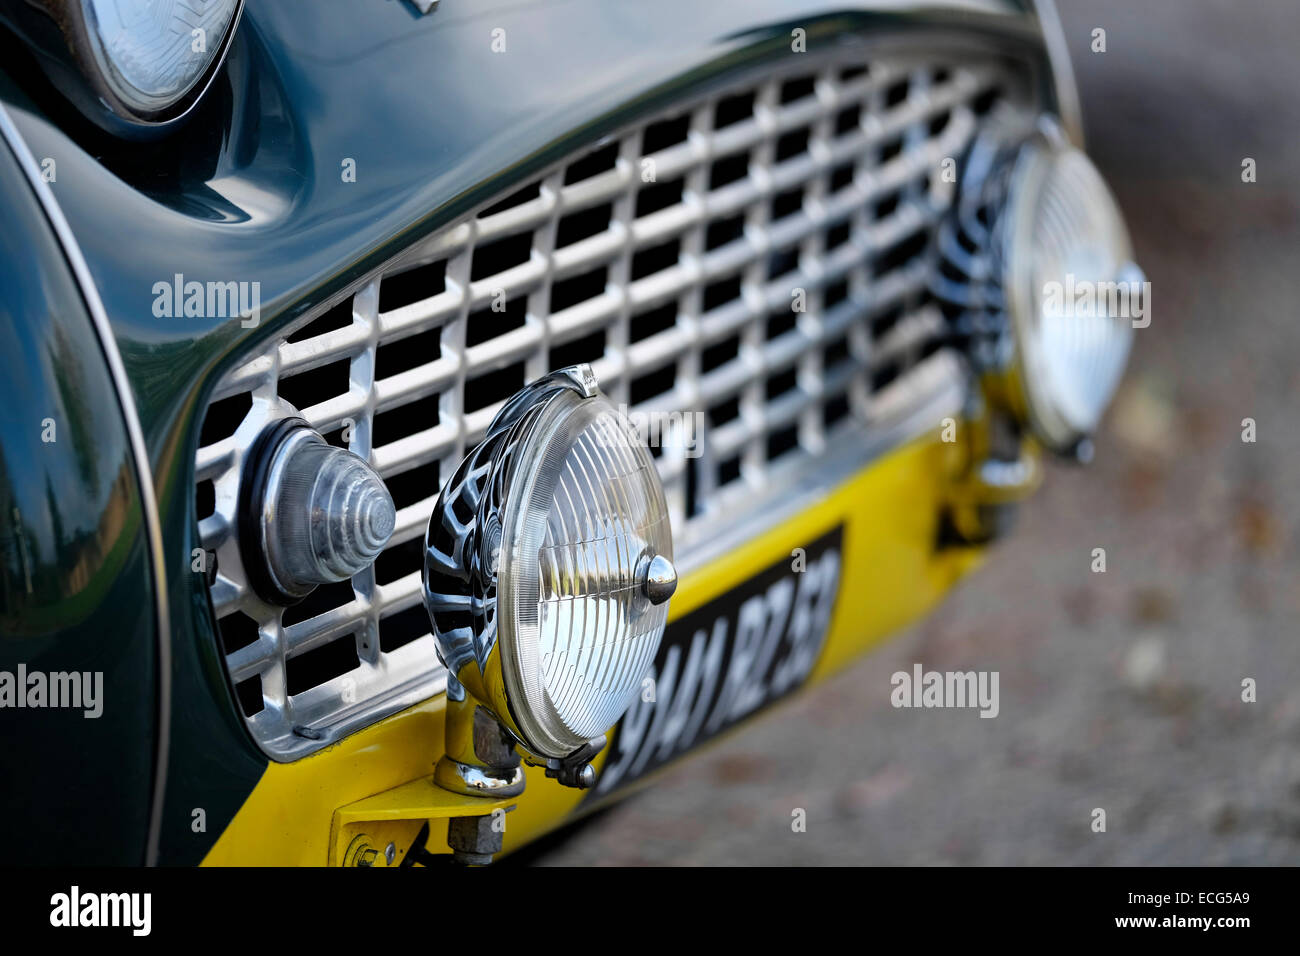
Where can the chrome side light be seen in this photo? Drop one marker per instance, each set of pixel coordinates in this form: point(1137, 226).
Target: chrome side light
point(312, 513)
point(547, 574)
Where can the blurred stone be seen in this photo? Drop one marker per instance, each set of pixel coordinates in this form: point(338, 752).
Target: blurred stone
point(1152, 606)
point(876, 790)
point(1257, 527)
point(1080, 606)
point(744, 768)
point(1220, 813)
point(1145, 419)
point(1144, 664)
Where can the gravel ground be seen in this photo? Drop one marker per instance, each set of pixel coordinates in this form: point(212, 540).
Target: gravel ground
point(1119, 690)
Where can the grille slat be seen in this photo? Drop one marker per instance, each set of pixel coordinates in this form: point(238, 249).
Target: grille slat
point(823, 177)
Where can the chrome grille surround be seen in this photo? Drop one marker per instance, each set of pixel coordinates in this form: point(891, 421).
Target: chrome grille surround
point(864, 162)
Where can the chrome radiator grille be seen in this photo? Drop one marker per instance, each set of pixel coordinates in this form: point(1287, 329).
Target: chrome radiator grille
point(675, 257)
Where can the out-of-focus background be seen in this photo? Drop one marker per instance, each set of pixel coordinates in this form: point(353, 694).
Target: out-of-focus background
point(1119, 690)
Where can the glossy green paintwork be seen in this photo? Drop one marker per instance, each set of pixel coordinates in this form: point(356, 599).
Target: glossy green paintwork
point(436, 122)
point(74, 576)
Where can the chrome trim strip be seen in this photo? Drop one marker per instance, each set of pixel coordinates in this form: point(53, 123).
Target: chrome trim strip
point(1058, 58)
point(139, 452)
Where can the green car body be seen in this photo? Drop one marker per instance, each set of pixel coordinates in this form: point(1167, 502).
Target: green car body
point(433, 122)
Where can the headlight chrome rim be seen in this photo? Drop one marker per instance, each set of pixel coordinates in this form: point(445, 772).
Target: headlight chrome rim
point(77, 60)
point(491, 516)
point(1036, 388)
point(138, 100)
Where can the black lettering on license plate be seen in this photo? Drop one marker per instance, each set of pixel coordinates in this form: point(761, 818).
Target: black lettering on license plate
point(727, 660)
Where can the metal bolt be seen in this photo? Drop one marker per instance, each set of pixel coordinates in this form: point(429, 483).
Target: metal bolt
point(660, 579)
point(473, 840)
point(390, 853)
point(360, 852)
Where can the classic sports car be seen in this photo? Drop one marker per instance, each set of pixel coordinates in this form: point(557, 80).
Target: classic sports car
point(422, 421)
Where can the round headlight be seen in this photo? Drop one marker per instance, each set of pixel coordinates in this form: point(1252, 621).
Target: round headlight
point(548, 566)
point(152, 54)
point(582, 527)
point(132, 66)
point(1073, 293)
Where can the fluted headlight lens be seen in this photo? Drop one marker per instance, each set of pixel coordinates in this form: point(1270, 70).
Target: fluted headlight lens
point(151, 53)
point(1074, 293)
point(583, 541)
point(547, 575)
point(585, 573)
